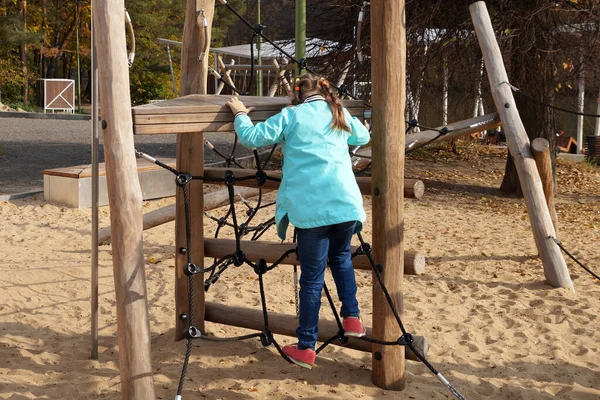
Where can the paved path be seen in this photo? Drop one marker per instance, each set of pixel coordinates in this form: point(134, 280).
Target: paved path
point(29, 146)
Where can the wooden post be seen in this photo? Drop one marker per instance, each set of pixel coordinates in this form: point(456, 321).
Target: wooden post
point(190, 159)
point(541, 153)
point(555, 268)
point(125, 200)
point(388, 42)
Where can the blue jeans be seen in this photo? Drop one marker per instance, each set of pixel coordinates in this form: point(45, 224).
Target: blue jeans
point(315, 247)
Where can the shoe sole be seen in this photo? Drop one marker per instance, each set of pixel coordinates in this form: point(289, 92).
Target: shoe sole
point(355, 334)
point(300, 363)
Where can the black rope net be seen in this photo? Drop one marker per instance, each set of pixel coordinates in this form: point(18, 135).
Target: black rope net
point(248, 225)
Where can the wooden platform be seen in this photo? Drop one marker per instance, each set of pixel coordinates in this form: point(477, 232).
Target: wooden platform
point(208, 113)
point(72, 186)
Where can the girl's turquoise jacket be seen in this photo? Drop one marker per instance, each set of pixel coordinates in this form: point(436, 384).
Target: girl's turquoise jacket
point(318, 186)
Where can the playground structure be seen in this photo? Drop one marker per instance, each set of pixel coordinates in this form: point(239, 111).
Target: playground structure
point(386, 188)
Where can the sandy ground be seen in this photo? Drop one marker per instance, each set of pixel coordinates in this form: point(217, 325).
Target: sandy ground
point(496, 329)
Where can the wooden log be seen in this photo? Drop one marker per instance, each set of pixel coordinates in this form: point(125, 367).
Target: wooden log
point(413, 188)
point(555, 268)
point(190, 158)
point(166, 214)
point(282, 324)
point(388, 67)
point(540, 148)
point(225, 73)
point(414, 261)
point(125, 201)
point(456, 130)
point(277, 81)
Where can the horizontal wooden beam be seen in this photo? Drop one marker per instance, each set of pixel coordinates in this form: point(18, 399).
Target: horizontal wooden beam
point(413, 188)
point(414, 261)
point(208, 113)
point(456, 130)
point(282, 324)
point(166, 214)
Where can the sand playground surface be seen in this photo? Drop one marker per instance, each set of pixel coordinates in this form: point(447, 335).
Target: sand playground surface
point(496, 330)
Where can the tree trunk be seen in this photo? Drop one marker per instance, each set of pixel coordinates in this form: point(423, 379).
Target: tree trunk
point(23, 51)
point(43, 48)
point(531, 71)
point(51, 73)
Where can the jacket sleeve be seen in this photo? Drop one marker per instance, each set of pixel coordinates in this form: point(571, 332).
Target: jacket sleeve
point(360, 134)
point(263, 133)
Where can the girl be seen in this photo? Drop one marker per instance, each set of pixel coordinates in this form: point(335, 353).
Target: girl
point(318, 195)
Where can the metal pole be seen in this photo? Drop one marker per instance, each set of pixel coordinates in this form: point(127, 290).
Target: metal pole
point(77, 51)
point(300, 33)
point(259, 76)
point(580, 103)
point(95, 180)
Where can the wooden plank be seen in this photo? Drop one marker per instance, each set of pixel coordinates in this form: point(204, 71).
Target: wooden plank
point(85, 171)
point(388, 68)
point(125, 199)
point(196, 103)
point(216, 122)
point(555, 268)
point(282, 324)
point(414, 261)
point(188, 118)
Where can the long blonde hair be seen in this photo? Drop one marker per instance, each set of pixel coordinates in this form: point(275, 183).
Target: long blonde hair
point(308, 85)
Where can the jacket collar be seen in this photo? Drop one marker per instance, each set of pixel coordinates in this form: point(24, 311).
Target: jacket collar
point(314, 97)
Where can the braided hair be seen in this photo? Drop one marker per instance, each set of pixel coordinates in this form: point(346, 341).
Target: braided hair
point(309, 85)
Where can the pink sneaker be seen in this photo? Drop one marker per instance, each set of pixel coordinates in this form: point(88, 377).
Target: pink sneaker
point(304, 358)
point(353, 326)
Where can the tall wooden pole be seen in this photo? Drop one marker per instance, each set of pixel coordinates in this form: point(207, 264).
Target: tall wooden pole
point(540, 147)
point(300, 33)
point(555, 268)
point(388, 66)
point(190, 159)
point(125, 200)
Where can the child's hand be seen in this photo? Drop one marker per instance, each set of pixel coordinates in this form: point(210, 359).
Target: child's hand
point(237, 106)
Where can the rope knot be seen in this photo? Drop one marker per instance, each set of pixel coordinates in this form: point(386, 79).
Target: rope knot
point(406, 339)
point(266, 337)
point(238, 258)
point(229, 178)
point(341, 337)
point(260, 267)
point(261, 178)
point(363, 249)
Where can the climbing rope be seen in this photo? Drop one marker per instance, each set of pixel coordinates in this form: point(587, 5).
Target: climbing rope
point(519, 92)
point(573, 257)
point(300, 63)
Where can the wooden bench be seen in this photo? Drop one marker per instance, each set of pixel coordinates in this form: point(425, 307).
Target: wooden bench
point(566, 144)
point(72, 186)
